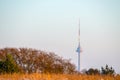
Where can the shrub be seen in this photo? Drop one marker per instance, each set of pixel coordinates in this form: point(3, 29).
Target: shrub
point(92, 71)
point(8, 65)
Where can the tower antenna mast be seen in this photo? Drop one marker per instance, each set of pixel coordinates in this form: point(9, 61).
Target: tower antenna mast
point(78, 49)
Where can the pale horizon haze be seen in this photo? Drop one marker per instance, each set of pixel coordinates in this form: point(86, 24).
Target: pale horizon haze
point(52, 25)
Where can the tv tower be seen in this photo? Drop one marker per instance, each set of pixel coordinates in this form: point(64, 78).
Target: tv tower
point(78, 48)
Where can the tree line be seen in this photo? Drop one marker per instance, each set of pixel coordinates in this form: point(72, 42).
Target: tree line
point(104, 71)
point(29, 60)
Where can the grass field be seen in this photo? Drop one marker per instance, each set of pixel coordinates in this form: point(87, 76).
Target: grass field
point(36, 76)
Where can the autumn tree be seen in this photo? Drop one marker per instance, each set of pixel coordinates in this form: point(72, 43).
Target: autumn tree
point(32, 60)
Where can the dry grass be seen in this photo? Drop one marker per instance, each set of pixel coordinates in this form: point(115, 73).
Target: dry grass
point(36, 76)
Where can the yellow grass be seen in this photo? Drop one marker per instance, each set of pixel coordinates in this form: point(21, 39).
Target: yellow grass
point(37, 76)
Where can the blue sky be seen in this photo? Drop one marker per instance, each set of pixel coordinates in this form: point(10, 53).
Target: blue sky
point(52, 25)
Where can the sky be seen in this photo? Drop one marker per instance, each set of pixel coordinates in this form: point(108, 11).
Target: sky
point(52, 26)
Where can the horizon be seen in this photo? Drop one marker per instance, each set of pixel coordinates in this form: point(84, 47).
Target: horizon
point(53, 26)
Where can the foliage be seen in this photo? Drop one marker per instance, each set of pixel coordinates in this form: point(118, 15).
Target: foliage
point(92, 71)
point(8, 65)
point(104, 71)
point(107, 70)
point(31, 61)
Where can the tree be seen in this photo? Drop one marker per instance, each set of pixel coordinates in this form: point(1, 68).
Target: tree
point(32, 60)
point(8, 65)
point(107, 70)
point(92, 71)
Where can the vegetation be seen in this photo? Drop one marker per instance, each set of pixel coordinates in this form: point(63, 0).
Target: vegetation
point(107, 70)
point(8, 65)
point(92, 71)
point(36, 76)
point(32, 61)
point(104, 71)
point(45, 66)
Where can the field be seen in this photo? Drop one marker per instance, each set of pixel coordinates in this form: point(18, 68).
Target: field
point(36, 76)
